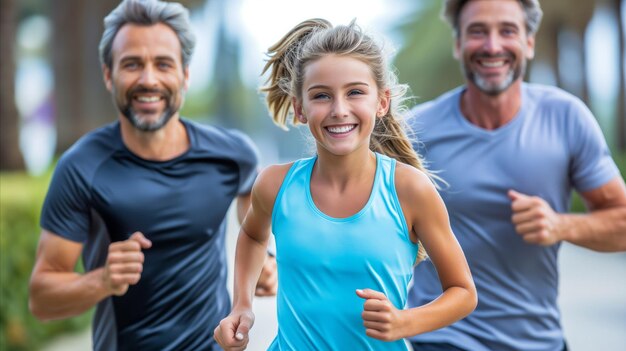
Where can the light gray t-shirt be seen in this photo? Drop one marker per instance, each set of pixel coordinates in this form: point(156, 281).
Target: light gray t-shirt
point(553, 145)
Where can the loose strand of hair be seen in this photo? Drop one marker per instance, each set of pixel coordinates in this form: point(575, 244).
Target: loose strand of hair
point(283, 57)
point(390, 138)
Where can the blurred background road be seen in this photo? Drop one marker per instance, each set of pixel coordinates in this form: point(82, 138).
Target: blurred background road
point(592, 290)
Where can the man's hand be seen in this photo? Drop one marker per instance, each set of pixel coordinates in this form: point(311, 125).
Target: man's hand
point(382, 320)
point(125, 263)
point(268, 280)
point(535, 220)
point(232, 332)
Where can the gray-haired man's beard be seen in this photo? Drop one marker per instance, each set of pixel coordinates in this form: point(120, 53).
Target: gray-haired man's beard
point(491, 88)
point(136, 120)
point(497, 87)
point(145, 125)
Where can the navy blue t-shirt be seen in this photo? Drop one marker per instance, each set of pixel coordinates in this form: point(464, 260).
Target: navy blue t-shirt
point(101, 193)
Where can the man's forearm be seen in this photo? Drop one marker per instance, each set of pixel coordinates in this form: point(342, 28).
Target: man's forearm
point(57, 295)
point(601, 230)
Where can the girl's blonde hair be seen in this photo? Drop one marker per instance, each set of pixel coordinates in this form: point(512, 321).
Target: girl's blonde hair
point(315, 38)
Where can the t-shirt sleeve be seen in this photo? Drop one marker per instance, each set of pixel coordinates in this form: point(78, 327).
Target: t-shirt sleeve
point(66, 208)
point(592, 165)
point(247, 160)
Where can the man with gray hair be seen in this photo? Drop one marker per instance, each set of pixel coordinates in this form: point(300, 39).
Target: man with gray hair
point(511, 153)
point(145, 199)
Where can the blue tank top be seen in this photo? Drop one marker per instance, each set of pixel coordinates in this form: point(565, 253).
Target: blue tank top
point(322, 261)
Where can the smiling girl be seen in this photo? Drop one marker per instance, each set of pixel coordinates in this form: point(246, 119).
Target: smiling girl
point(351, 222)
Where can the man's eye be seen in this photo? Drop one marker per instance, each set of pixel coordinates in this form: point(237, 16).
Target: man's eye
point(508, 32)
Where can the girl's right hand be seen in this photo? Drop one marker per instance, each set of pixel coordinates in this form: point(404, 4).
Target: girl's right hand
point(232, 332)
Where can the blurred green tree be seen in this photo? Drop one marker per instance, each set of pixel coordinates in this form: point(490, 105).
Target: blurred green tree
point(10, 157)
point(425, 61)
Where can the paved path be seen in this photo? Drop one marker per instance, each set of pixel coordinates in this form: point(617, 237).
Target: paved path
point(593, 302)
point(593, 299)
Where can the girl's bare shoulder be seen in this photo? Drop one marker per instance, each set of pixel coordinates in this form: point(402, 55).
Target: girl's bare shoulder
point(268, 183)
point(412, 181)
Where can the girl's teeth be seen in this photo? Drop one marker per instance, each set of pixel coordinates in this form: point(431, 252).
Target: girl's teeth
point(341, 129)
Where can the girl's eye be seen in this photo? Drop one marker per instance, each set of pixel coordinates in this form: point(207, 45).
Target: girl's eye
point(319, 96)
point(355, 92)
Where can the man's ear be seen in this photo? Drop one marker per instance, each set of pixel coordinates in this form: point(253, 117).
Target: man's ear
point(186, 78)
point(530, 45)
point(106, 76)
point(297, 110)
point(457, 48)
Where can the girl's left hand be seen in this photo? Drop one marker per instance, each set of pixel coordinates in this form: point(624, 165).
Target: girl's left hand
point(382, 320)
point(232, 332)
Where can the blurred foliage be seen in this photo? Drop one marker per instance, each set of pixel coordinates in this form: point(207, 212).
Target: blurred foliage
point(21, 197)
point(425, 60)
point(246, 110)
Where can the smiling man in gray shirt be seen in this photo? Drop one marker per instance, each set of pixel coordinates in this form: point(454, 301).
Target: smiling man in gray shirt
point(512, 153)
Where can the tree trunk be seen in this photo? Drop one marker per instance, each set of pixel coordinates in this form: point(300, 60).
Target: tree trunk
point(81, 99)
point(560, 16)
point(10, 156)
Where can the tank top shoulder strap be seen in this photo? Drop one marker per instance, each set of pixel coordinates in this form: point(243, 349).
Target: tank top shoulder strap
point(387, 171)
point(387, 187)
point(300, 168)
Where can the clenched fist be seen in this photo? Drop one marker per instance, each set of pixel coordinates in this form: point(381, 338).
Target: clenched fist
point(124, 263)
